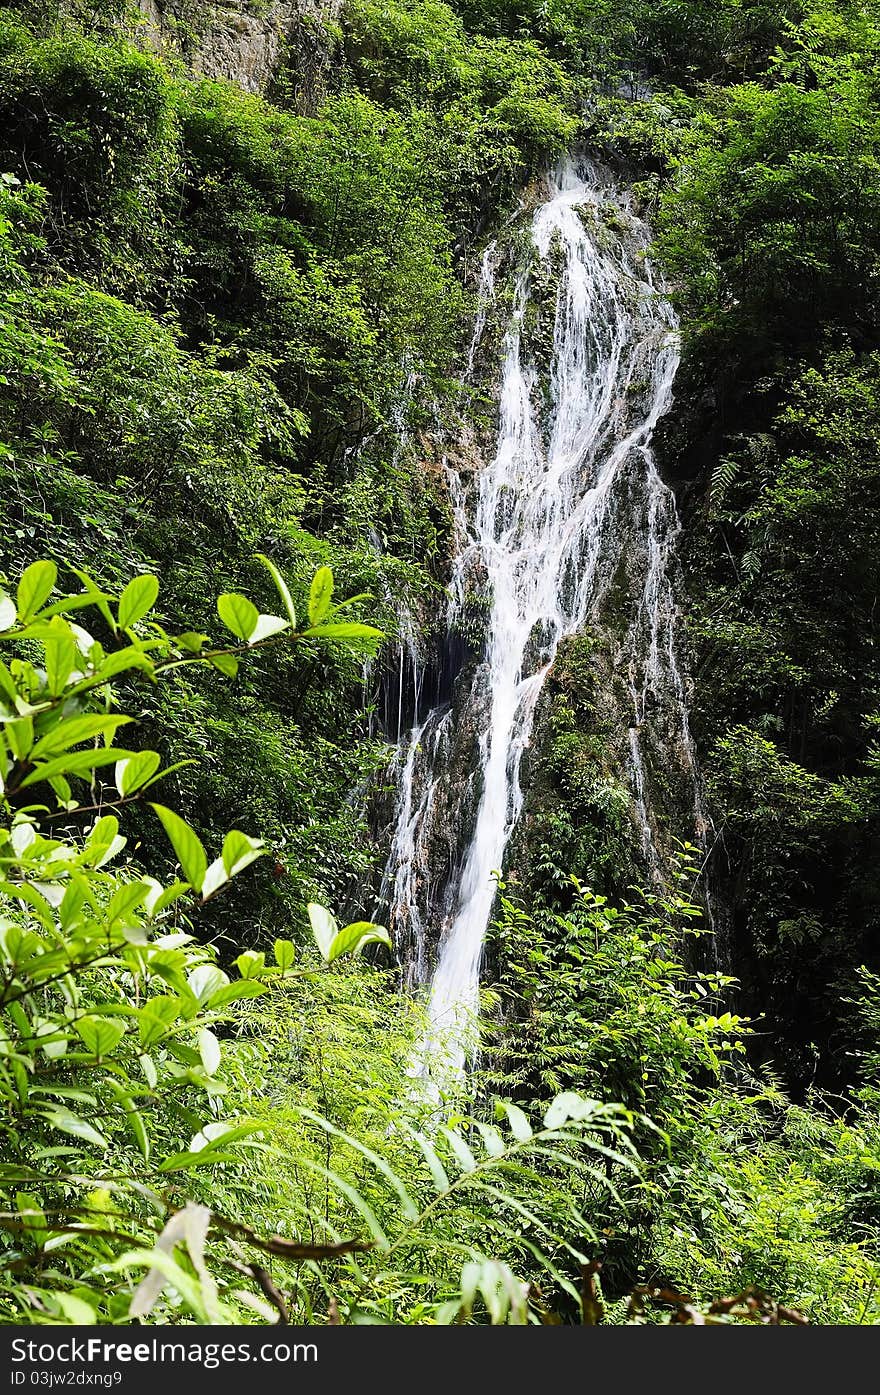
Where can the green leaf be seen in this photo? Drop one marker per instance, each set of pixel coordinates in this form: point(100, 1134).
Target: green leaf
point(100, 1035)
point(340, 632)
point(215, 877)
point(251, 963)
point(266, 626)
point(519, 1124)
point(62, 655)
point(209, 1050)
point(60, 1118)
point(492, 1139)
point(191, 641)
point(324, 928)
point(156, 1017)
point(120, 661)
point(567, 1106)
point(138, 597)
point(76, 1310)
point(20, 735)
point(463, 1155)
point(72, 731)
point(134, 772)
point(35, 588)
point(148, 1066)
point(280, 586)
point(95, 596)
point(227, 664)
point(320, 595)
point(354, 937)
point(187, 845)
point(75, 763)
point(7, 686)
point(124, 900)
point(285, 953)
point(160, 899)
point(32, 1215)
point(239, 851)
point(238, 614)
point(8, 611)
point(244, 988)
point(205, 982)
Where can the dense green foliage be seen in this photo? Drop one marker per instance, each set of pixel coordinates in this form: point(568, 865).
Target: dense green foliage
point(770, 220)
point(228, 325)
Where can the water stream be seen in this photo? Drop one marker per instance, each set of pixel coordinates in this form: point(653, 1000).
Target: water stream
point(568, 513)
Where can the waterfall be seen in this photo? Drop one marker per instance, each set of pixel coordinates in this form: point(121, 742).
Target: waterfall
point(570, 503)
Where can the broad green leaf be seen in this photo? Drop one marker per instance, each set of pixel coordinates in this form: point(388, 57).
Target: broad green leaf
point(240, 850)
point(519, 1124)
point(324, 928)
point(492, 1140)
point(280, 586)
point(112, 849)
point(224, 1131)
point(215, 877)
point(7, 686)
point(138, 597)
point(148, 1066)
point(60, 1118)
point(20, 735)
point(320, 595)
point(35, 587)
point(155, 1018)
point(63, 791)
point(51, 1038)
point(124, 900)
point(355, 936)
point(105, 830)
point(227, 664)
point(343, 631)
point(463, 1155)
point(32, 1215)
point(205, 982)
point(244, 988)
point(8, 611)
point(72, 901)
point(567, 1106)
point(193, 642)
point(76, 1310)
point(100, 1035)
point(186, 844)
point(72, 731)
point(61, 652)
point(251, 963)
point(160, 898)
point(75, 763)
point(238, 614)
point(121, 660)
point(266, 626)
point(95, 596)
point(285, 953)
point(209, 1050)
point(134, 772)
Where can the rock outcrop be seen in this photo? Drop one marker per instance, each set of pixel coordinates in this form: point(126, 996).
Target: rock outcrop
point(241, 40)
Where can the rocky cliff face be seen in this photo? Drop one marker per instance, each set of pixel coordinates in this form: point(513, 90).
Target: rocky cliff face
point(242, 40)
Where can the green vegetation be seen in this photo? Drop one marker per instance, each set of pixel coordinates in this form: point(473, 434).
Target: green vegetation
point(228, 322)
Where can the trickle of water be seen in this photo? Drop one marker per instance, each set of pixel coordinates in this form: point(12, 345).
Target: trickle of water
point(570, 501)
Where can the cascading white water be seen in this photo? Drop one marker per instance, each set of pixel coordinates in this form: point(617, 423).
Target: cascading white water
point(571, 501)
